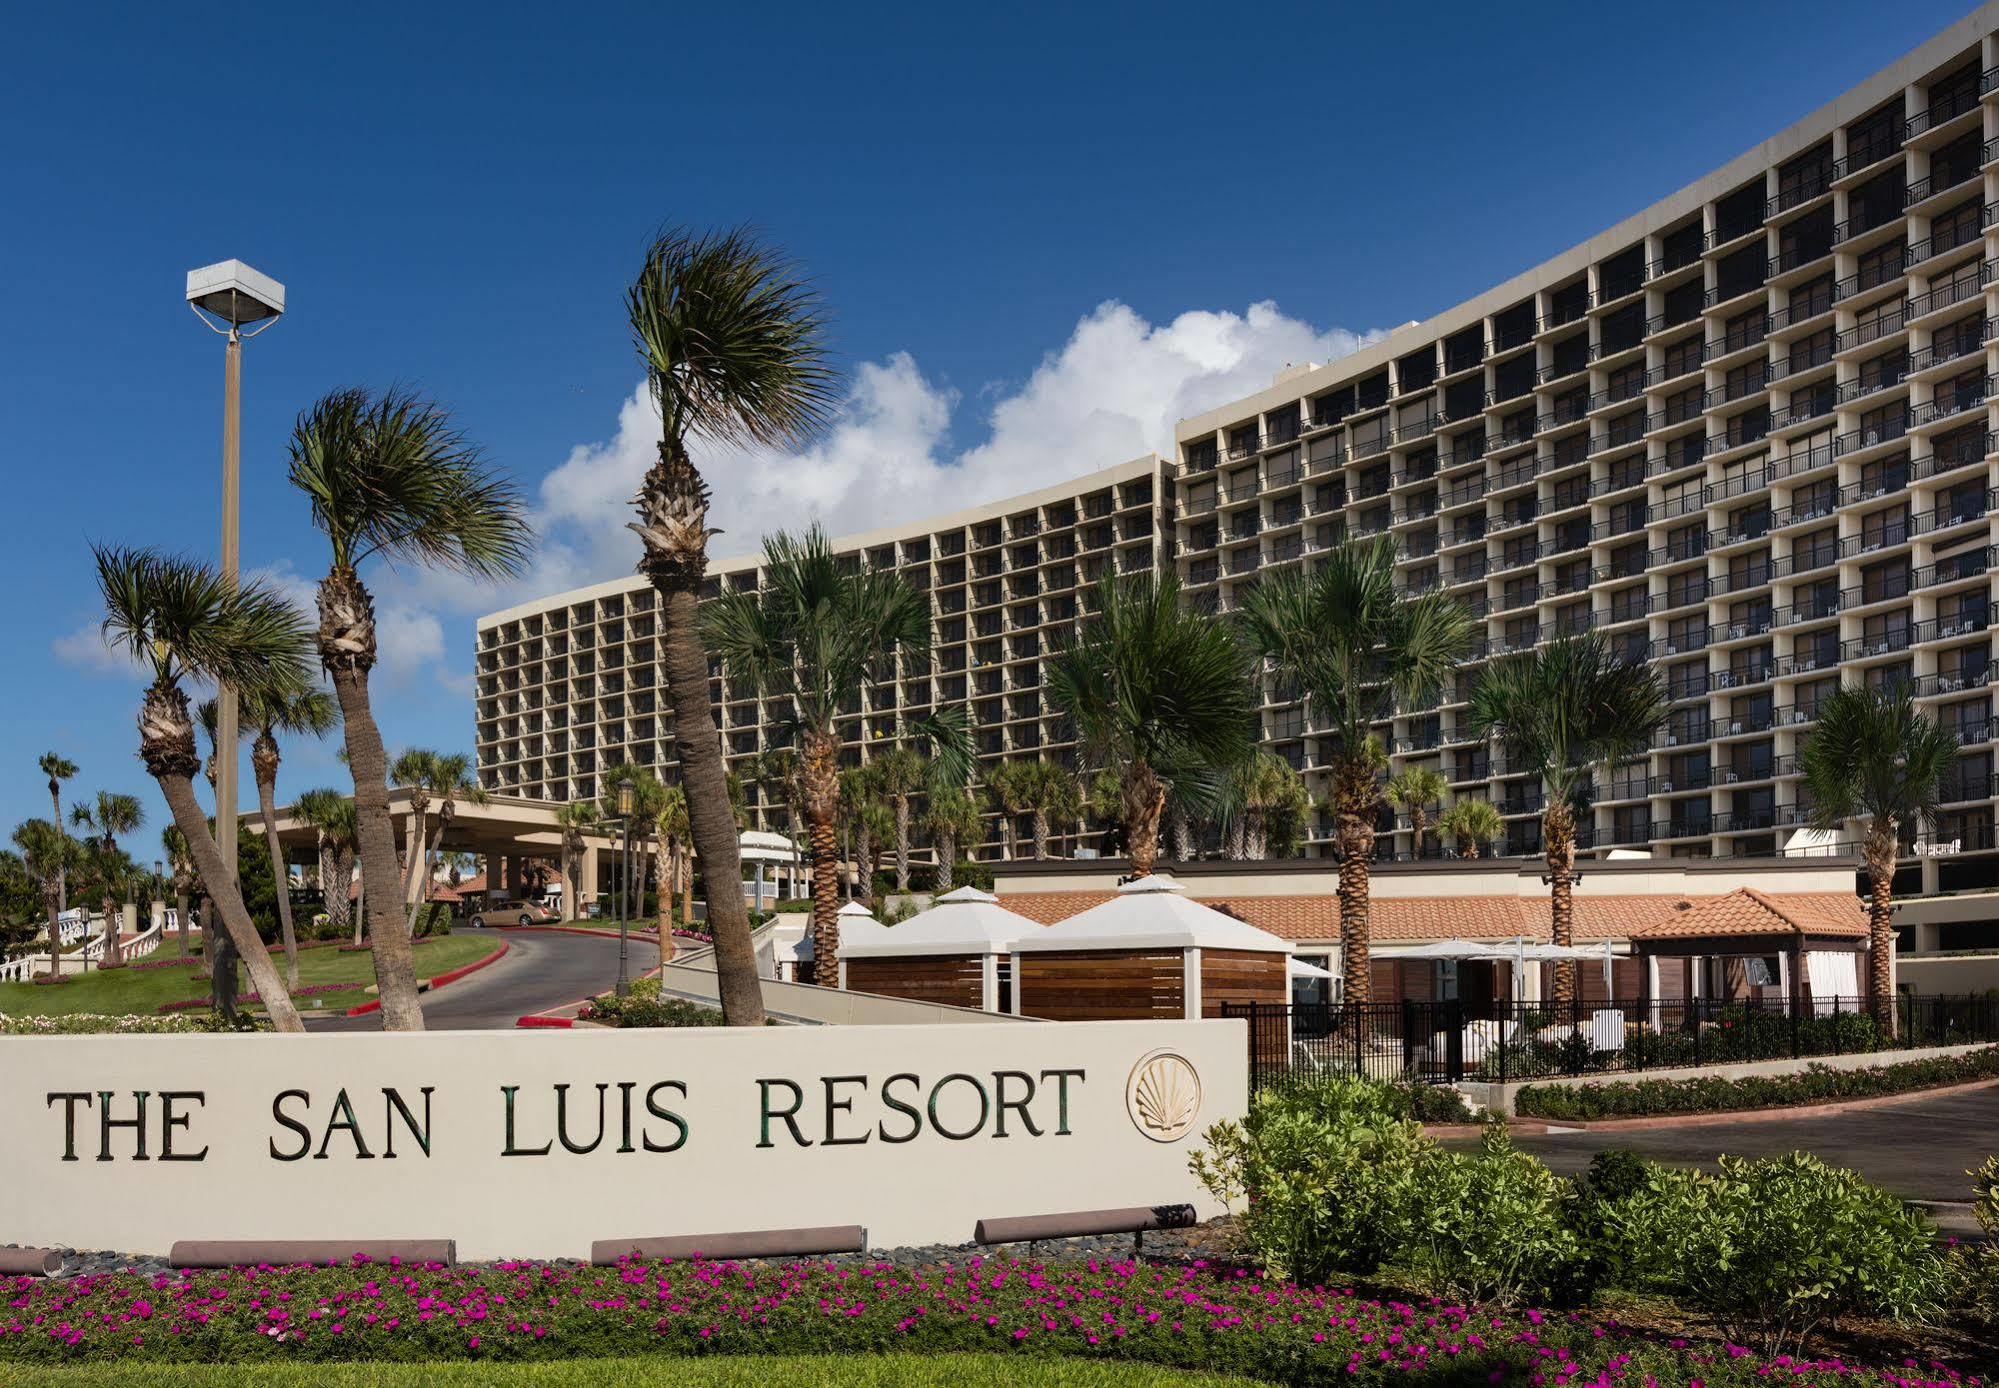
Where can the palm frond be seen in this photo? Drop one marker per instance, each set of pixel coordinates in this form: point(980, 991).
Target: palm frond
point(732, 339)
point(182, 618)
point(389, 474)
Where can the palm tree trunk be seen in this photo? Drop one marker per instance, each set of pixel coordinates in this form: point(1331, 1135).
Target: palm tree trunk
point(395, 964)
point(1558, 840)
point(864, 862)
point(264, 977)
point(180, 919)
point(1144, 803)
point(267, 804)
point(357, 911)
point(1354, 843)
point(901, 843)
point(819, 780)
point(416, 827)
point(114, 923)
point(1419, 821)
point(663, 898)
point(685, 873)
point(947, 856)
point(62, 872)
point(710, 816)
point(1880, 854)
point(1183, 834)
point(421, 897)
point(1040, 833)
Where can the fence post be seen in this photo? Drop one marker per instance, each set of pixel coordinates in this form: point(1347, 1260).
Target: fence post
point(1794, 1001)
point(1408, 1035)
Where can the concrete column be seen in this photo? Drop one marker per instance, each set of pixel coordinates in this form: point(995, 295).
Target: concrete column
point(586, 886)
point(989, 983)
point(1652, 987)
point(1191, 983)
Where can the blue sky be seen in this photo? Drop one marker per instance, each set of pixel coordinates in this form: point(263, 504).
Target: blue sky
point(1041, 233)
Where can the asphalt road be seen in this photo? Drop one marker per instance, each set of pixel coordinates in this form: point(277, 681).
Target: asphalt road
point(1919, 1148)
point(539, 971)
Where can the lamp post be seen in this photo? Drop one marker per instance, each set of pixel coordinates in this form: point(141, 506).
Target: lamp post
point(627, 797)
point(228, 296)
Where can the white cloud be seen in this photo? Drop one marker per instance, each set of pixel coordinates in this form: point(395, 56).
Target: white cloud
point(1112, 392)
point(86, 649)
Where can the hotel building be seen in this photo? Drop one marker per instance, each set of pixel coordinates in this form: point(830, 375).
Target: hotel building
point(1747, 433)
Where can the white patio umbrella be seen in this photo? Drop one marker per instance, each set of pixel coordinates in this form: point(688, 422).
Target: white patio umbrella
point(1298, 968)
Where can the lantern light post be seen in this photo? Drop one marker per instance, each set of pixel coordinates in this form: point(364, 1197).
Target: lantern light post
point(627, 798)
point(229, 296)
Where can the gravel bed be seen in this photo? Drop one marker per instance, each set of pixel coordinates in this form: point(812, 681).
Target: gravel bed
point(1211, 1242)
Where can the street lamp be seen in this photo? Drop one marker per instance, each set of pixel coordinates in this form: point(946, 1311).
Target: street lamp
point(627, 797)
point(228, 296)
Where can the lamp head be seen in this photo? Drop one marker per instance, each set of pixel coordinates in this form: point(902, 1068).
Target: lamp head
point(625, 799)
point(235, 293)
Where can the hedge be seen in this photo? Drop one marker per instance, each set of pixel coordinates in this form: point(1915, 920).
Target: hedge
point(1817, 1084)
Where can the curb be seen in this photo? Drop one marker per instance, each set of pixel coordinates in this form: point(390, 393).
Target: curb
point(541, 1021)
point(437, 981)
point(1740, 1115)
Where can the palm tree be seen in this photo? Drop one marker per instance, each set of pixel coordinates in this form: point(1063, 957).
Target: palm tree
point(268, 711)
point(1159, 692)
point(1874, 757)
point(572, 819)
point(855, 804)
point(1413, 790)
point(1561, 710)
point(951, 817)
point(58, 769)
point(672, 829)
point(449, 777)
point(109, 815)
point(1355, 646)
point(1262, 790)
point(389, 477)
point(48, 853)
point(1473, 823)
point(813, 635)
point(416, 770)
point(331, 814)
point(649, 805)
point(182, 619)
point(900, 773)
point(180, 867)
point(1007, 792)
point(731, 339)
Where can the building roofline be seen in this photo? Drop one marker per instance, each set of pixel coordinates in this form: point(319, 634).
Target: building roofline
point(1145, 463)
point(1800, 135)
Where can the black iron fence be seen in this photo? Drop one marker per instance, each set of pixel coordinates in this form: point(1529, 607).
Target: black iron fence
point(1445, 1042)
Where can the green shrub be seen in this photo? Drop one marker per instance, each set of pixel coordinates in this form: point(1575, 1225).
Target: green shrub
point(1715, 1093)
point(1978, 1263)
point(1493, 1226)
point(644, 1006)
point(1774, 1248)
point(1329, 1170)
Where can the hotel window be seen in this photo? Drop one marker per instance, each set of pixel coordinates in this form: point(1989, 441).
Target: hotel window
point(1882, 528)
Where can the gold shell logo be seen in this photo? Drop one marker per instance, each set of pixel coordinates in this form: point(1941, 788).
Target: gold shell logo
point(1163, 1096)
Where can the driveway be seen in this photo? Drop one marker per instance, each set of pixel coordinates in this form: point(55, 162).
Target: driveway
point(539, 971)
point(1919, 1148)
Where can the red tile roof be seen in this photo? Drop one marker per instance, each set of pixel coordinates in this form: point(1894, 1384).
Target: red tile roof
point(1747, 911)
point(1417, 919)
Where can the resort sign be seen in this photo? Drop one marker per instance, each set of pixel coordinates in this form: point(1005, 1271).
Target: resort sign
point(531, 1145)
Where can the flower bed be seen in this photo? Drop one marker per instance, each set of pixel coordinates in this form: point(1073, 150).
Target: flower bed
point(176, 962)
point(310, 990)
point(90, 1023)
point(1218, 1319)
point(1819, 1084)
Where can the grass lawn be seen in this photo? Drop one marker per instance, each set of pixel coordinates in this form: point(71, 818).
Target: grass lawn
point(852, 1371)
point(143, 990)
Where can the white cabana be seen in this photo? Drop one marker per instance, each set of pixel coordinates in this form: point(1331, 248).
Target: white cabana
point(952, 952)
point(1148, 952)
point(1298, 968)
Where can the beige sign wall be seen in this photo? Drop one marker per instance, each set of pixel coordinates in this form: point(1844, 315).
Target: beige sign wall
point(535, 1145)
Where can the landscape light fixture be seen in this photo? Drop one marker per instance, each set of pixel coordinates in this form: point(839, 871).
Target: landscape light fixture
point(228, 296)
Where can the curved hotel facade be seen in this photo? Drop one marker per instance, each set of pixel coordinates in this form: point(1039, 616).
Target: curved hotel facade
point(1747, 433)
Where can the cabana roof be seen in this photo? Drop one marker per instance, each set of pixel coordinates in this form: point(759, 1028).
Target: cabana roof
point(1151, 913)
point(1747, 911)
point(965, 921)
